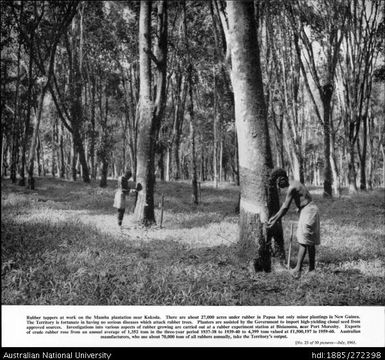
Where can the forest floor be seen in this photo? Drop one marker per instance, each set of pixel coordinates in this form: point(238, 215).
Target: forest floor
point(61, 245)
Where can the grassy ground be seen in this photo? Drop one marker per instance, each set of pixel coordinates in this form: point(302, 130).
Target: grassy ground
point(61, 245)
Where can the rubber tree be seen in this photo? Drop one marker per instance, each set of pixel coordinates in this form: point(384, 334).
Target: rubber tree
point(46, 68)
point(151, 108)
point(259, 198)
point(327, 21)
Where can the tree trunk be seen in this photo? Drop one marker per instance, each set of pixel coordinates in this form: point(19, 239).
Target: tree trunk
point(16, 122)
point(195, 198)
point(352, 176)
point(93, 129)
point(221, 160)
point(3, 152)
point(278, 126)
point(103, 174)
point(76, 85)
point(38, 157)
point(35, 138)
point(103, 149)
point(151, 112)
point(73, 159)
point(134, 116)
point(328, 177)
point(161, 164)
point(178, 124)
point(336, 175)
point(363, 154)
point(383, 165)
point(53, 149)
point(236, 155)
point(202, 160)
point(253, 138)
point(215, 132)
point(61, 149)
point(168, 163)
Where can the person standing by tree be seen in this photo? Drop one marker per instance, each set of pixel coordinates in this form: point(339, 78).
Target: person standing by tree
point(125, 185)
point(308, 232)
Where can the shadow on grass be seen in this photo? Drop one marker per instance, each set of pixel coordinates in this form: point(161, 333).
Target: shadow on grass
point(73, 264)
point(64, 194)
point(68, 195)
point(335, 255)
point(68, 262)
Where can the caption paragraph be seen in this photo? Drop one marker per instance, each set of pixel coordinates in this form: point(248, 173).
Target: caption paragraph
point(193, 326)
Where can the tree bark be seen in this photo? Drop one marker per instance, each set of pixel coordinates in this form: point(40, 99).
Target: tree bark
point(328, 176)
point(253, 137)
point(150, 112)
point(93, 128)
point(195, 197)
point(352, 175)
point(181, 94)
point(35, 138)
point(103, 151)
point(362, 153)
point(215, 131)
point(383, 164)
point(76, 86)
point(61, 149)
point(16, 122)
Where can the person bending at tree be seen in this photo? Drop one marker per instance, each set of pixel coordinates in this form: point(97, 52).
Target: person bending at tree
point(125, 186)
point(308, 232)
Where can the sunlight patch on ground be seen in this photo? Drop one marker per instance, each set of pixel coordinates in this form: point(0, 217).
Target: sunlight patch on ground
point(374, 267)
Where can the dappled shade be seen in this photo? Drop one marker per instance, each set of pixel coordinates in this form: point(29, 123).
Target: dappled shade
point(56, 250)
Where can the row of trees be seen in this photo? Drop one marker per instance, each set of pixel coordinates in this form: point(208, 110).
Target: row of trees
point(91, 88)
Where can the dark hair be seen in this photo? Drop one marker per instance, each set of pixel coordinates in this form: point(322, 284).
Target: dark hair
point(277, 173)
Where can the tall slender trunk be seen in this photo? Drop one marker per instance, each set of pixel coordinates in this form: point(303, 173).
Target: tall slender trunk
point(61, 149)
point(194, 175)
point(35, 137)
point(93, 128)
point(336, 175)
point(53, 149)
point(144, 209)
point(363, 153)
point(73, 159)
point(103, 155)
point(178, 124)
point(258, 198)
point(221, 159)
point(3, 152)
point(202, 163)
point(236, 155)
point(168, 163)
point(38, 157)
point(16, 121)
point(161, 164)
point(151, 112)
point(352, 175)
point(328, 177)
point(215, 132)
point(279, 138)
point(76, 89)
point(383, 165)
